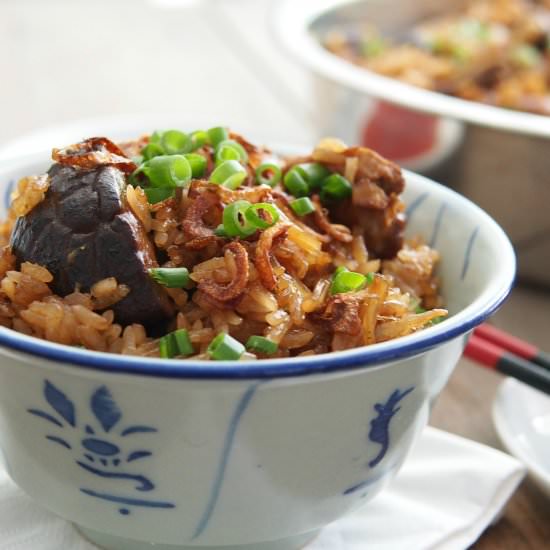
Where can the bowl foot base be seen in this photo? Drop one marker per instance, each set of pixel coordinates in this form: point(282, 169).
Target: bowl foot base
point(110, 542)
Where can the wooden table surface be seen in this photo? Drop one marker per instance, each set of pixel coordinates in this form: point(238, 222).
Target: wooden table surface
point(464, 408)
point(63, 60)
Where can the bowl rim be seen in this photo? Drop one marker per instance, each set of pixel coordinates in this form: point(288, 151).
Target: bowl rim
point(488, 300)
point(290, 23)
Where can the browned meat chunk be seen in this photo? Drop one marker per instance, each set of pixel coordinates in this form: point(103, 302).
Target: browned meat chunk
point(375, 205)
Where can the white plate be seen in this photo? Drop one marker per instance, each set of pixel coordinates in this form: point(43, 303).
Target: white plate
point(521, 416)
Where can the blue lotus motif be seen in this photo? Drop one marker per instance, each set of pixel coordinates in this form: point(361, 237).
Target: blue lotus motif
point(100, 443)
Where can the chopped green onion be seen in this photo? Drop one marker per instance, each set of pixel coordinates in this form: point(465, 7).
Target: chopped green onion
point(373, 47)
point(175, 343)
point(198, 138)
point(235, 222)
point(261, 344)
point(473, 29)
point(229, 149)
point(526, 56)
point(174, 142)
point(197, 163)
point(155, 137)
point(314, 173)
point(167, 171)
point(253, 215)
point(216, 135)
point(229, 173)
point(296, 183)
point(460, 53)
point(419, 309)
point(168, 347)
point(370, 278)
point(225, 348)
point(220, 231)
point(344, 280)
point(437, 320)
point(302, 206)
point(152, 150)
point(171, 277)
point(335, 187)
point(158, 194)
point(183, 342)
point(268, 174)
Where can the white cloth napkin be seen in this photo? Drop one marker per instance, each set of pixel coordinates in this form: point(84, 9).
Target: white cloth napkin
point(449, 490)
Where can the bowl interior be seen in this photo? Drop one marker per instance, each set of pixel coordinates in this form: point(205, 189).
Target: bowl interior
point(477, 270)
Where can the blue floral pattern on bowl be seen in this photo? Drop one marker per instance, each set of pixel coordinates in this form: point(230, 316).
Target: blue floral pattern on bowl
point(100, 448)
point(379, 433)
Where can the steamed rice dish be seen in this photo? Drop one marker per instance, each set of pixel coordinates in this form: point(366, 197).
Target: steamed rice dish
point(202, 245)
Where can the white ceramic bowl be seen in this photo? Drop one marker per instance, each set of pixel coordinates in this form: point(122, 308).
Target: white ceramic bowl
point(188, 454)
point(484, 152)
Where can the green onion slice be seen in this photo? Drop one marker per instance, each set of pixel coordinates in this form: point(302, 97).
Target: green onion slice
point(225, 348)
point(344, 280)
point(167, 171)
point(171, 277)
point(229, 173)
point(176, 343)
point(197, 163)
point(183, 342)
point(526, 56)
point(155, 137)
point(296, 183)
point(198, 138)
point(268, 174)
point(175, 142)
point(168, 347)
point(220, 231)
point(216, 135)
point(159, 194)
point(314, 173)
point(152, 150)
point(302, 206)
point(254, 215)
point(335, 187)
point(229, 149)
point(261, 344)
point(235, 222)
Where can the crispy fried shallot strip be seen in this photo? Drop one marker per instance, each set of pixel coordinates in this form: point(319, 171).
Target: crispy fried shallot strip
point(93, 152)
point(336, 231)
point(263, 253)
point(231, 291)
point(199, 235)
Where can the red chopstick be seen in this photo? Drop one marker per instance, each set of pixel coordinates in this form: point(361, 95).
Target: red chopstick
point(491, 355)
point(513, 344)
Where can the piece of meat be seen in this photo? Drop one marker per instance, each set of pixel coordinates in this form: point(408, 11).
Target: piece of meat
point(83, 232)
point(375, 205)
point(342, 313)
point(336, 231)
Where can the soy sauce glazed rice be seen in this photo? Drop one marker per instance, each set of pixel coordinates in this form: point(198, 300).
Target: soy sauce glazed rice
point(256, 256)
